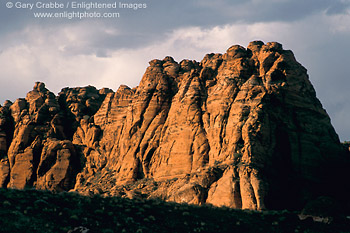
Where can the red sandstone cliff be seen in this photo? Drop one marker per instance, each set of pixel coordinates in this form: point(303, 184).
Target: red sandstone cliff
point(243, 129)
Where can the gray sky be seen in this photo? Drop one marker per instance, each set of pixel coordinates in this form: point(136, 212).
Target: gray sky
point(112, 51)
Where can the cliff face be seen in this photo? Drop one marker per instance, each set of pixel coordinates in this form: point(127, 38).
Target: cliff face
point(243, 129)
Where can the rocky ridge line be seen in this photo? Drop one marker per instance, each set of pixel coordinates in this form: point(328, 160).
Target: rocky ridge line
point(242, 129)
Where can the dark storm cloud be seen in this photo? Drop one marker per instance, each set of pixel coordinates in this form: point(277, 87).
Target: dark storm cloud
point(269, 10)
point(138, 28)
point(317, 31)
point(165, 15)
point(338, 7)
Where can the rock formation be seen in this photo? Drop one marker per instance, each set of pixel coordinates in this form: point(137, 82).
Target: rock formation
point(243, 129)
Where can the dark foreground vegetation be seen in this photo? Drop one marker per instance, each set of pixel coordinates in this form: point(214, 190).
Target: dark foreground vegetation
point(39, 211)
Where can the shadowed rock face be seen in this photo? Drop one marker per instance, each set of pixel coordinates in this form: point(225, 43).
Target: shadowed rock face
point(243, 129)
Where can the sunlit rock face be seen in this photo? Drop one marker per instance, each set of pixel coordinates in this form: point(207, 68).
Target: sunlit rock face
point(242, 129)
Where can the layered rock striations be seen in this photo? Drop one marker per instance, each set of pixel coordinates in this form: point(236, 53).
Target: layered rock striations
point(242, 129)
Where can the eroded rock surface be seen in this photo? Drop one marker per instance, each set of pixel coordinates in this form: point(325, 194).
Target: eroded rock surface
point(242, 129)
point(36, 137)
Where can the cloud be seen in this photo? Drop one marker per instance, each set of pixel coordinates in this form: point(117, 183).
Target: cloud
point(60, 56)
point(109, 53)
point(339, 23)
point(76, 55)
point(165, 15)
point(253, 11)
